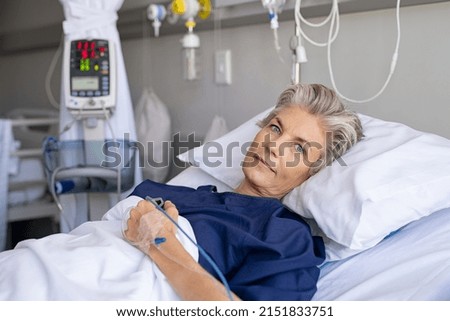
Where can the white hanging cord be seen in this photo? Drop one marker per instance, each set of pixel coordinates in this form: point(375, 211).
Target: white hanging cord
point(75, 119)
point(311, 24)
point(49, 75)
point(392, 67)
point(334, 14)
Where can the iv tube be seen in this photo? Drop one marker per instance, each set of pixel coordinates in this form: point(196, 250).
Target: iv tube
point(190, 56)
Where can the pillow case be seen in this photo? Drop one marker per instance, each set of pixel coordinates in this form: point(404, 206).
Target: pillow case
point(393, 176)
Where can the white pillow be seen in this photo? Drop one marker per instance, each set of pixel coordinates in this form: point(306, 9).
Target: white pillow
point(394, 176)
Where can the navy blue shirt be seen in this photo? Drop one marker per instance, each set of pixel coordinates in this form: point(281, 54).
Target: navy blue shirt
point(265, 251)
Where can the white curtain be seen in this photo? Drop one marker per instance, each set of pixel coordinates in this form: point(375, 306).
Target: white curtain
point(95, 19)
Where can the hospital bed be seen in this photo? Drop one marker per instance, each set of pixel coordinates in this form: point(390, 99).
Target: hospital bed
point(27, 186)
point(384, 216)
point(412, 264)
point(383, 210)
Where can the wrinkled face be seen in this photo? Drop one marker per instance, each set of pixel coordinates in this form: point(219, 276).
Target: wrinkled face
point(283, 151)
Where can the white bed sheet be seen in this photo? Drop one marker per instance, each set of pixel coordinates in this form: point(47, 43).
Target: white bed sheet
point(411, 264)
point(92, 262)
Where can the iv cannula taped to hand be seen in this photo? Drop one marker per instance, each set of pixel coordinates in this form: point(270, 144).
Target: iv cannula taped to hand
point(147, 229)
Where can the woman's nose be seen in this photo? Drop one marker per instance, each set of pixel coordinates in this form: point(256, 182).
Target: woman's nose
point(273, 146)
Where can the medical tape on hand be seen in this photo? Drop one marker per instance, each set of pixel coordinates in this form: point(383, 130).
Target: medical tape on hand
point(150, 226)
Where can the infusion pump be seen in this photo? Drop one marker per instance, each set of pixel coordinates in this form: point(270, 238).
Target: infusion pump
point(90, 69)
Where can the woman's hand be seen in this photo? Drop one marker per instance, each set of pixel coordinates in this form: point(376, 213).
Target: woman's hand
point(146, 223)
point(185, 275)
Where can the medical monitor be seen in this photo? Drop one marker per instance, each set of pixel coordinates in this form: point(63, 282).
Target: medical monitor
point(90, 74)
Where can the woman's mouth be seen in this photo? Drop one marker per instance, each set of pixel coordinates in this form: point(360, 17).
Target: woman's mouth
point(262, 161)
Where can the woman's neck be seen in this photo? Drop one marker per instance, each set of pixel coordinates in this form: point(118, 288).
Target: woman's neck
point(249, 189)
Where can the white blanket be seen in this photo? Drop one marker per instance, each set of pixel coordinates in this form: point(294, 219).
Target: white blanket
point(93, 262)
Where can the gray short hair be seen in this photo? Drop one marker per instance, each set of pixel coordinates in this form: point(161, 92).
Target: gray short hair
point(342, 126)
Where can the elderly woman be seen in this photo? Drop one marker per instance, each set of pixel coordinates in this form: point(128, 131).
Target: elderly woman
point(265, 251)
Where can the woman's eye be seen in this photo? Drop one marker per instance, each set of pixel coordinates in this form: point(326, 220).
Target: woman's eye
point(275, 129)
point(299, 148)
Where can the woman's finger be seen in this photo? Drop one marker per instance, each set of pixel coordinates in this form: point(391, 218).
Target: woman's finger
point(171, 209)
point(145, 206)
point(135, 214)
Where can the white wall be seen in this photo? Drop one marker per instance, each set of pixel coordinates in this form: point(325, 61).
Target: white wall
point(418, 95)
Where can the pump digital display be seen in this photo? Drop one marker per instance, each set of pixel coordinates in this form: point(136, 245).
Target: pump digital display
point(89, 68)
point(85, 83)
